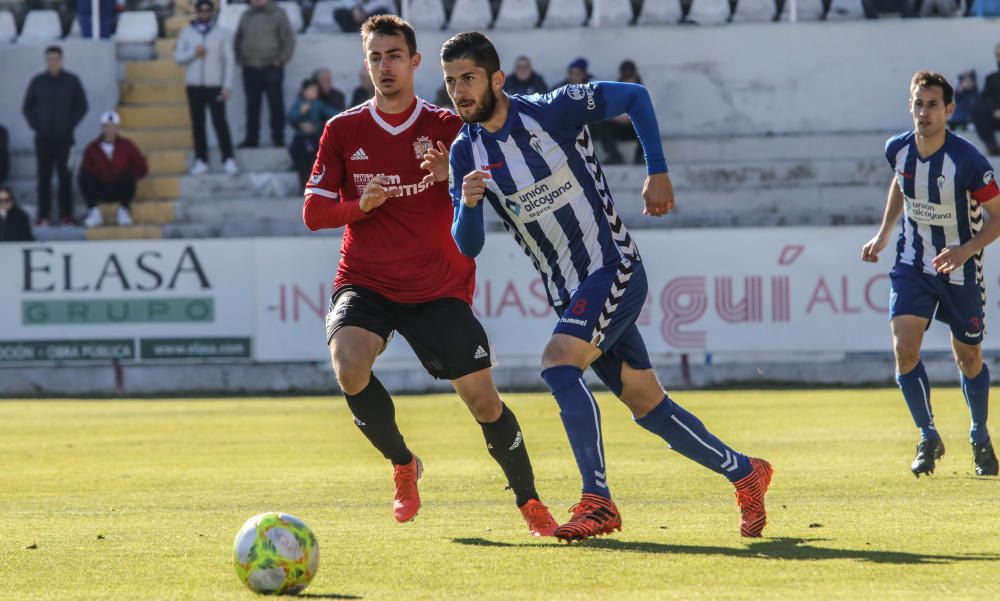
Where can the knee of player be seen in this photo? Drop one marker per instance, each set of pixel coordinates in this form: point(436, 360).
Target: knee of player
point(353, 377)
point(907, 355)
point(485, 410)
point(969, 360)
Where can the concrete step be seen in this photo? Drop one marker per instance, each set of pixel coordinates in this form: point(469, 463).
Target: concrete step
point(165, 48)
point(138, 92)
point(149, 140)
point(174, 161)
point(247, 185)
point(144, 212)
point(61, 233)
point(159, 116)
point(167, 186)
point(132, 232)
point(163, 69)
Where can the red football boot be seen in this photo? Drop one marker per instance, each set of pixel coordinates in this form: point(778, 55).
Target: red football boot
point(406, 500)
point(750, 493)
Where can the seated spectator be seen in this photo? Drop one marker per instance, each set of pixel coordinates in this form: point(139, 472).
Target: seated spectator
point(966, 94)
point(986, 111)
point(364, 91)
point(111, 166)
point(620, 129)
point(524, 80)
point(14, 223)
point(207, 50)
point(576, 72)
point(307, 116)
point(4, 154)
point(904, 8)
point(327, 93)
point(350, 14)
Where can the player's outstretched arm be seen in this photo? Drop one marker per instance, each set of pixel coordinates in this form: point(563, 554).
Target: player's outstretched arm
point(893, 211)
point(468, 228)
point(954, 257)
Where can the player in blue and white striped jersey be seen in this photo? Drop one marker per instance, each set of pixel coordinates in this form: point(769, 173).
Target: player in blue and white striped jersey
point(940, 185)
point(532, 158)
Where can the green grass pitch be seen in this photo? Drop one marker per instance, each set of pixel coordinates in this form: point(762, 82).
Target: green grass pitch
point(141, 499)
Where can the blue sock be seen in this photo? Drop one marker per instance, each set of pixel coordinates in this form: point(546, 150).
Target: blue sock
point(686, 434)
point(582, 420)
point(977, 397)
point(917, 393)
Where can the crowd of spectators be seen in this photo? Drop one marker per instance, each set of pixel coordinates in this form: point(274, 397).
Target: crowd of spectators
point(981, 108)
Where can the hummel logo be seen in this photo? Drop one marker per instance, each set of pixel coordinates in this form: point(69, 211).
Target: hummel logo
point(517, 441)
point(974, 334)
point(318, 177)
point(359, 155)
point(358, 422)
point(480, 353)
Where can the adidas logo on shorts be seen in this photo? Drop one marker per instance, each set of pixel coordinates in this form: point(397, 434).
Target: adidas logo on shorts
point(359, 155)
point(480, 353)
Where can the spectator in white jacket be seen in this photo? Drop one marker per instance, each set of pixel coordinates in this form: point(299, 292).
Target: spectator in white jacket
point(207, 50)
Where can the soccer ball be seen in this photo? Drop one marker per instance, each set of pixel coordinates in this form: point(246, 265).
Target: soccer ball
point(275, 553)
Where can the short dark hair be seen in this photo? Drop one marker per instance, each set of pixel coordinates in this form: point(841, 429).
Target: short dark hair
point(930, 79)
point(389, 25)
point(309, 81)
point(54, 50)
point(474, 46)
point(9, 192)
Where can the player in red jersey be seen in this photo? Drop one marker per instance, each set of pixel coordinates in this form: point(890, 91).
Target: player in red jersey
point(400, 270)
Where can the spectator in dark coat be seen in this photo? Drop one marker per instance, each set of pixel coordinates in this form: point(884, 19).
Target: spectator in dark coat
point(576, 72)
point(54, 105)
point(307, 115)
point(524, 80)
point(364, 91)
point(264, 43)
point(986, 112)
point(4, 154)
point(111, 166)
point(327, 93)
point(620, 128)
point(966, 95)
point(14, 223)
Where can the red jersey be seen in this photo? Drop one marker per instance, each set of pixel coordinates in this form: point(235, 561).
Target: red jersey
point(403, 249)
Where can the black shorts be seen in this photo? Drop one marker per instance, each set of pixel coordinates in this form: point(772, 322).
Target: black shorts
point(446, 336)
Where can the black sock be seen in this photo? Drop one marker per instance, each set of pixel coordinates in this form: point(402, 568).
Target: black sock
point(506, 444)
point(375, 416)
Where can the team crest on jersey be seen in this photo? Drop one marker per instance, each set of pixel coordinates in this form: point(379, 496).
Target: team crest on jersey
point(535, 143)
point(318, 177)
point(421, 145)
point(988, 177)
point(512, 206)
point(575, 91)
point(941, 181)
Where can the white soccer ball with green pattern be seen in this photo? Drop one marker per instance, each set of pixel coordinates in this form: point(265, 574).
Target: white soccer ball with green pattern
point(275, 554)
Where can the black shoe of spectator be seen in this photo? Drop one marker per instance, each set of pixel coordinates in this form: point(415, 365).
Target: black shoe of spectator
point(993, 151)
point(70, 221)
point(248, 144)
point(278, 142)
point(41, 222)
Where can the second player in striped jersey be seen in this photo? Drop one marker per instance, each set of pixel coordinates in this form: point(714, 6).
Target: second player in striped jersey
point(940, 187)
point(532, 159)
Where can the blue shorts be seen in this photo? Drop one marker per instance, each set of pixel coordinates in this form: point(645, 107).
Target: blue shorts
point(914, 292)
point(603, 311)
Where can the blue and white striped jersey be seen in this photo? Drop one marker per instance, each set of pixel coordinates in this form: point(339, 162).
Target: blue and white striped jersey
point(941, 195)
point(547, 185)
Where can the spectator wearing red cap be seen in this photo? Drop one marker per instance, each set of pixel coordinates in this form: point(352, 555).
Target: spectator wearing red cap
point(112, 164)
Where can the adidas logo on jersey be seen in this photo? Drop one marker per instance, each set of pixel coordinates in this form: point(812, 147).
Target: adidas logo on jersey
point(359, 155)
point(480, 353)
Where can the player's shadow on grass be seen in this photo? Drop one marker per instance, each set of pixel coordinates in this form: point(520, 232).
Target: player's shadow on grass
point(773, 548)
point(327, 596)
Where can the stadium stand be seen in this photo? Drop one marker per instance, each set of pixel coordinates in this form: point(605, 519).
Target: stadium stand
point(468, 15)
point(40, 26)
point(754, 11)
point(136, 26)
point(565, 13)
point(611, 13)
point(8, 27)
point(659, 12)
point(294, 12)
point(708, 12)
point(805, 10)
point(229, 15)
point(845, 10)
point(322, 18)
point(517, 14)
point(426, 14)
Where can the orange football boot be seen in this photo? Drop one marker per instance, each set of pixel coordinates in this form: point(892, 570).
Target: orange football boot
point(592, 516)
point(539, 518)
point(750, 493)
point(406, 500)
